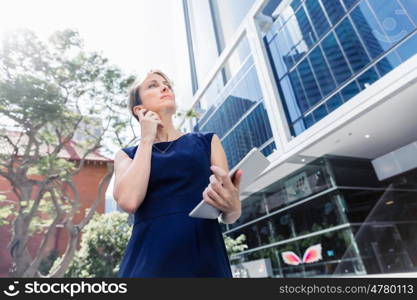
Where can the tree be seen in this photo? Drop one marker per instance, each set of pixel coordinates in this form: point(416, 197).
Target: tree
point(50, 90)
point(104, 241)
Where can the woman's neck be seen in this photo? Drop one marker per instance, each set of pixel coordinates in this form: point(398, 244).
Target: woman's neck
point(168, 132)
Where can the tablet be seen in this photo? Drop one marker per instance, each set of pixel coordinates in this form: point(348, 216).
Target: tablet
point(252, 166)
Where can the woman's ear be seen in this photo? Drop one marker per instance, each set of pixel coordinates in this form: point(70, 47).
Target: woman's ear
point(138, 109)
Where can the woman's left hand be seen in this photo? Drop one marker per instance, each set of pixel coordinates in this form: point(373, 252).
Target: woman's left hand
point(222, 193)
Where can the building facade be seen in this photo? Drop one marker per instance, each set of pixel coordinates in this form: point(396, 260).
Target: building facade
point(325, 90)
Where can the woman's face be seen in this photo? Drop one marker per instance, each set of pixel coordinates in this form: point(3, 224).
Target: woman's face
point(156, 94)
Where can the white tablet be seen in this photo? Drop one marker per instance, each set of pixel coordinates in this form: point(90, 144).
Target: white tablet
point(252, 166)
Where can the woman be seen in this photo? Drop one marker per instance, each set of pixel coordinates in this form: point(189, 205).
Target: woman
point(161, 180)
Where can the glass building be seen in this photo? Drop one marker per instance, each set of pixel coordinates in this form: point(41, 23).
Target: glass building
point(325, 90)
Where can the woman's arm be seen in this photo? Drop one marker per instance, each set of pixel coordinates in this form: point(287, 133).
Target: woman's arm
point(218, 158)
point(132, 177)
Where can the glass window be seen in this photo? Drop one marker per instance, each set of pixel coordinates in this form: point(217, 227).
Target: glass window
point(317, 17)
point(394, 19)
point(269, 149)
point(388, 63)
point(334, 102)
point(349, 3)
point(408, 48)
point(284, 44)
point(238, 59)
point(277, 59)
point(309, 82)
point(270, 7)
point(237, 103)
point(321, 71)
point(320, 112)
point(231, 14)
point(282, 224)
point(349, 91)
point(336, 60)
point(304, 27)
point(252, 208)
point(322, 213)
point(308, 120)
point(367, 78)
point(334, 10)
point(288, 97)
point(298, 91)
point(253, 131)
point(298, 127)
point(351, 45)
point(369, 29)
point(410, 6)
point(203, 37)
point(295, 4)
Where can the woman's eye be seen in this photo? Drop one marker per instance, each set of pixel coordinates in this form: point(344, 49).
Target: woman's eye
point(152, 84)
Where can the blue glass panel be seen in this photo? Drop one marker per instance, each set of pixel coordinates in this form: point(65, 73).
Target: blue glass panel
point(284, 44)
point(298, 127)
point(255, 93)
point(334, 10)
point(317, 17)
point(308, 120)
point(267, 150)
point(305, 27)
point(411, 7)
point(299, 51)
point(310, 85)
point(336, 60)
point(270, 7)
point(368, 77)
point(320, 112)
point(295, 4)
point(298, 91)
point(334, 102)
point(237, 102)
point(252, 131)
point(289, 99)
point(388, 63)
point(393, 18)
point(276, 58)
point(349, 3)
point(321, 71)
point(349, 91)
point(370, 30)
point(408, 48)
point(354, 51)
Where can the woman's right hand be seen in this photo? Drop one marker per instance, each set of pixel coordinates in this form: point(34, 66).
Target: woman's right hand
point(149, 122)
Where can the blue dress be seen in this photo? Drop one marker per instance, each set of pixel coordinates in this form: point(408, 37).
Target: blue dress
point(165, 241)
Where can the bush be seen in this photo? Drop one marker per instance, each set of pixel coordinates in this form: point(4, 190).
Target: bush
point(104, 240)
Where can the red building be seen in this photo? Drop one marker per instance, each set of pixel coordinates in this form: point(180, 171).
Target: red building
point(86, 181)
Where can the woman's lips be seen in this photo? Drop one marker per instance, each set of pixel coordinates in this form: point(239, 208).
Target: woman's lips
point(165, 96)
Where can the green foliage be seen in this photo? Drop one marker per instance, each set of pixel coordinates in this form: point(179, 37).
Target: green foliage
point(104, 240)
point(235, 245)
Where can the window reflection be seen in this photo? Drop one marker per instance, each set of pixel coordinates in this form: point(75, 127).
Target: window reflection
point(203, 37)
point(362, 32)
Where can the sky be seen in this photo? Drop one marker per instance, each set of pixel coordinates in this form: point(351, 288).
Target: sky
point(136, 35)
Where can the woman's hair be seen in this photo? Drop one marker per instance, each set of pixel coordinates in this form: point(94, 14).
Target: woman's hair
point(134, 97)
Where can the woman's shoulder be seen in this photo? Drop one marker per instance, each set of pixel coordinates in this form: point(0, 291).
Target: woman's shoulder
point(130, 151)
point(204, 134)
